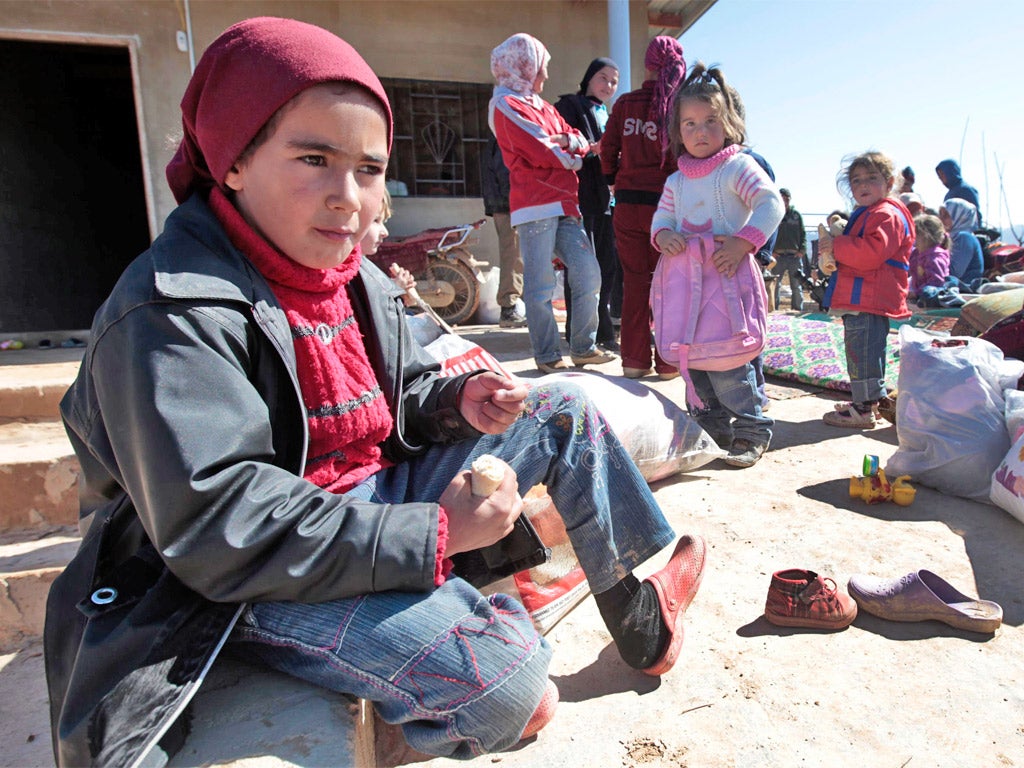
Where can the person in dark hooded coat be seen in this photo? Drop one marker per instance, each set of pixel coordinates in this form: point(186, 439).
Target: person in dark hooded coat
point(948, 172)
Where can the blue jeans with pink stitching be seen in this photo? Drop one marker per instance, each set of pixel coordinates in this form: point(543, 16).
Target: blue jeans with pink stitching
point(462, 673)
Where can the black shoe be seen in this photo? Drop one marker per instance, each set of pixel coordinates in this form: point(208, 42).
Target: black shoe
point(510, 318)
point(744, 453)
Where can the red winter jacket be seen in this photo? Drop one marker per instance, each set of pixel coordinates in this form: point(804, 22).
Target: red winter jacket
point(631, 157)
point(873, 256)
point(542, 175)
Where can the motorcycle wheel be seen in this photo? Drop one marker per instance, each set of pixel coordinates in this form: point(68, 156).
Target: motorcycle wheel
point(456, 288)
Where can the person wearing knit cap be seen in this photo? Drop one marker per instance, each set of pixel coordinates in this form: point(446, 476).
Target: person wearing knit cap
point(586, 111)
point(543, 153)
point(269, 460)
point(635, 161)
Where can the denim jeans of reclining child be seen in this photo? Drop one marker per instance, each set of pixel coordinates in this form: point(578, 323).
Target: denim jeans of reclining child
point(462, 673)
point(539, 241)
point(866, 336)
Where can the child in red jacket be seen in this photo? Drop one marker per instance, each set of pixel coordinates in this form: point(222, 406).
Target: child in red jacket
point(870, 284)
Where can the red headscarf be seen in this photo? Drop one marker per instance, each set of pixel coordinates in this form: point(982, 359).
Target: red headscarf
point(665, 56)
point(253, 69)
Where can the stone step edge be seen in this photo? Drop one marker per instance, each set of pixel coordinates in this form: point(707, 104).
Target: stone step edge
point(32, 400)
point(23, 604)
point(38, 494)
point(51, 445)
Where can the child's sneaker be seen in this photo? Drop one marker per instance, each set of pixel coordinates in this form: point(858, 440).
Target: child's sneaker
point(799, 598)
point(850, 416)
point(744, 453)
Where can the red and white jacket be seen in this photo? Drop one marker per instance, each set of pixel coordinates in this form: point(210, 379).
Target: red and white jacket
point(873, 256)
point(542, 175)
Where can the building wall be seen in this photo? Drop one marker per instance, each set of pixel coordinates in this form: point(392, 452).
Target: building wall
point(450, 40)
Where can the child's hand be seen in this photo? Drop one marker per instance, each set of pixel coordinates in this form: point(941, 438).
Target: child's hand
point(670, 243)
point(491, 403)
point(403, 278)
point(826, 259)
point(730, 253)
point(475, 521)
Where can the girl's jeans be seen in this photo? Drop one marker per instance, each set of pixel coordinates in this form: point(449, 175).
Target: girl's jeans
point(865, 336)
point(732, 403)
point(539, 242)
point(462, 673)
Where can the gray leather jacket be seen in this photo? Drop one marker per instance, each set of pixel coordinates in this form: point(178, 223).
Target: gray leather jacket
point(190, 428)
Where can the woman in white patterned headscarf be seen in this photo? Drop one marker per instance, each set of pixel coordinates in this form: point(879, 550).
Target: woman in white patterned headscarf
point(516, 63)
point(543, 153)
point(966, 260)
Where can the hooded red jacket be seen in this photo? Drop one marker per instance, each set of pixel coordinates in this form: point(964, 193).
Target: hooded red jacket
point(873, 255)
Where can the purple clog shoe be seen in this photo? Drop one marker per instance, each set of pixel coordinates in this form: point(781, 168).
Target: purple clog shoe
point(920, 596)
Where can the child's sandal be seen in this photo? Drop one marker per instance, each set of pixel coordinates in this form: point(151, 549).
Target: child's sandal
point(851, 418)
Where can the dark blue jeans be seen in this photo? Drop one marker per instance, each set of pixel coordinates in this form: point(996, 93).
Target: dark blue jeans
point(462, 673)
point(865, 336)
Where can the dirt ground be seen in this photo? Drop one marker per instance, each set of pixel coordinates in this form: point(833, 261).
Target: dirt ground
point(746, 693)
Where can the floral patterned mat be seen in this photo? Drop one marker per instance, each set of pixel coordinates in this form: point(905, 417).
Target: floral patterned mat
point(812, 351)
point(809, 348)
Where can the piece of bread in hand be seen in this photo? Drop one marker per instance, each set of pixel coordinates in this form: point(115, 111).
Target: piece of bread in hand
point(487, 472)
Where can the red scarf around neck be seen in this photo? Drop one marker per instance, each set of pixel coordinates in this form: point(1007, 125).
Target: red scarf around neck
point(347, 414)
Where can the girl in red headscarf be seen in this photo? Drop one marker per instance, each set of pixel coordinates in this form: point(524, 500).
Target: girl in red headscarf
point(269, 459)
point(636, 161)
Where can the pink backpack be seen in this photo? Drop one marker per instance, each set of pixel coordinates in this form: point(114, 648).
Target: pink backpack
point(703, 319)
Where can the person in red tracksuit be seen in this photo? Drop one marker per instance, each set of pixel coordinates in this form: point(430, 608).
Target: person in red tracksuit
point(636, 162)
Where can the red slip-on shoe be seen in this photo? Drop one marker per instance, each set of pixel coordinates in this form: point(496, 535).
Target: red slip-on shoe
point(544, 712)
point(676, 585)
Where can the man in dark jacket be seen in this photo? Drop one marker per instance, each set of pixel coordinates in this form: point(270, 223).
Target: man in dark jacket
point(510, 283)
point(948, 172)
point(790, 253)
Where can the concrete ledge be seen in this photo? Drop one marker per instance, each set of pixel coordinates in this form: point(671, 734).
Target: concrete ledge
point(39, 493)
point(28, 565)
point(245, 715)
point(31, 386)
point(23, 604)
point(38, 475)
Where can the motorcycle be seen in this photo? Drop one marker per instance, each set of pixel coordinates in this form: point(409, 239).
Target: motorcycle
point(448, 277)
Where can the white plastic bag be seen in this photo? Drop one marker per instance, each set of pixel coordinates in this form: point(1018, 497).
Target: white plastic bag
point(1008, 480)
point(949, 414)
point(488, 312)
point(660, 437)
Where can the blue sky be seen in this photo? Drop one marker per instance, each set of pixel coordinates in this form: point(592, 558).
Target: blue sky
point(822, 79)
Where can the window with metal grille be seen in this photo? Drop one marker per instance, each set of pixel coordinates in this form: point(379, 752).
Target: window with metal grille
point(440, 136)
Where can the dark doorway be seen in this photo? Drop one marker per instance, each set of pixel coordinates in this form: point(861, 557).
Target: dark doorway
point(72, 200)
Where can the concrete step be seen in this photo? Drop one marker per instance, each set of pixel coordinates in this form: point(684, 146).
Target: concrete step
point(32, 382)
point(244, 716)
point(29, 562)
point(38, 475)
